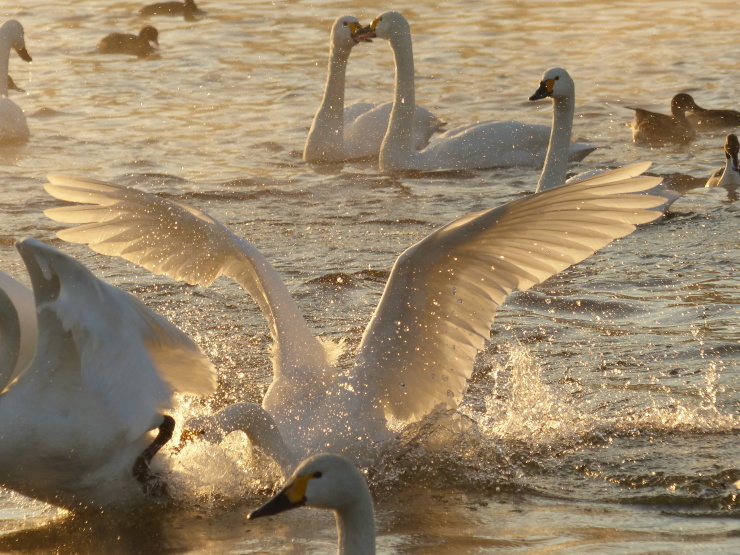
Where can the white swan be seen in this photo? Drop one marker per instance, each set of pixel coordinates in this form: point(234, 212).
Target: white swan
point(434, 316)
point(482, 145)
point(13, 126)
point(338, 133)
point(75, 425)
point(330, 482)
point(729, 176)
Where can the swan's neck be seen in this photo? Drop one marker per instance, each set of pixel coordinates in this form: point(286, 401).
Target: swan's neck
point(10, 339)
point(556, 162)
point(4, 59)
point(325, 140)
point(356, 526)
point(400, 127)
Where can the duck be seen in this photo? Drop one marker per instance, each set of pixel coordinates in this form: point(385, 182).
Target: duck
point(328, 481)
point(354, 132)
point(141, 45)
point(729, 176)
point(187, 9)
point(655, 129)
point(481, 145)
point(13, 125)
point(76, 423)
point(709, 119)
point(434, 316)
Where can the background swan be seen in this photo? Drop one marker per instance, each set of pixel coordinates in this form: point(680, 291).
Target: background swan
point(729, 176)
point(331, 482)
point(481, 145)
point(654, 129)
point(435, 314)
point(13, 126)
point(338, 133)
point(75, 425)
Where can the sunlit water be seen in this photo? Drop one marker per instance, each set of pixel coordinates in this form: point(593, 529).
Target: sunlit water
point(603, 416)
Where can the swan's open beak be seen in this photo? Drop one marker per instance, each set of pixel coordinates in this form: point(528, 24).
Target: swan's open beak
point(23, 53)
point(362, 34)
point(544, 91)
point(292, 496)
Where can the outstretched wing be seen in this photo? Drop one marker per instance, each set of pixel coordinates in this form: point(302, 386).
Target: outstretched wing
point(180, 241)
point(131, 358)
point(440, 300)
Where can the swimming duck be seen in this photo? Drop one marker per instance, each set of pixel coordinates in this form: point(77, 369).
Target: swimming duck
point(125, 43)
point(327, 481)
point(434, 316)
point(340, 133)
point(654, 129)
point(476, 146)
point(729, 176)
point(75, 423)
point(13, 126)
point(187, 9)
point(708, 119)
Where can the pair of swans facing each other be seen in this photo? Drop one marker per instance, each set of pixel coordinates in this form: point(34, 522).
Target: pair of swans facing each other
point(75, 421)
point(397, 132)
point(13, 125)
point(434, 316)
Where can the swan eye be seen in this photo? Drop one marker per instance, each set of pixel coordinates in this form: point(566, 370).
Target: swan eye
point(317, 474)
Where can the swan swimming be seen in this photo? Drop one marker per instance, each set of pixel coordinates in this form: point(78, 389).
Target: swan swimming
point(340, 133)
point(75, 424)
point(435, 313)
point(477, 146)
point(331, 482)
point(13, 126)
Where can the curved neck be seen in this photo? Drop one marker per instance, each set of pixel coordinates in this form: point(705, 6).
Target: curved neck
point(10, 339)
point(399, 134)
point(356, 526)
point(556, 162)
point(325, 140)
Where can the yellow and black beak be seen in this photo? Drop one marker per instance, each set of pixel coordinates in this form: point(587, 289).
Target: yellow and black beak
point(545, 90)
point(292, 496)
point(360, 33)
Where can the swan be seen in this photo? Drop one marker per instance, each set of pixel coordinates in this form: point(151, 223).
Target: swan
point(125, 43)
point(75, 424)
point(327, 481)
point(13, 126)
point(187, 9)
point(435, 313)
point(340, 133)
point(729, 176)
point(475, 146)
point(12, 86)
point(654, 129)
point(707, 119)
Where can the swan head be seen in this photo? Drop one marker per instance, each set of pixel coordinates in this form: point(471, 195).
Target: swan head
point(346, 32)
point(732, 150)
point(150, 35)
point(13, 30)
point(389, 25)
point(555, 83)
point(323, 481)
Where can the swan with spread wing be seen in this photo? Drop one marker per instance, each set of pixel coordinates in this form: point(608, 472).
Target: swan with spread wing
point(434, 316)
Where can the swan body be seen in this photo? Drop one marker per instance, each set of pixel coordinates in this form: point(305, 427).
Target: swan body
point(340, 133)
point(709, 119)
point(13, 126)
point(654, 129)
point(75, 424)
point(729, 176)
point(141, 45)
point(434, 316)
point(187, 9)
point(481, 145)
point(327, 481)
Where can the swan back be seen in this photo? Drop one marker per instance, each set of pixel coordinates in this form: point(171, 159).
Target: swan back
point(331, 482)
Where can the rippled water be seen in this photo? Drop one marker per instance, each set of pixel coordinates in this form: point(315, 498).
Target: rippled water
point(603, 417)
